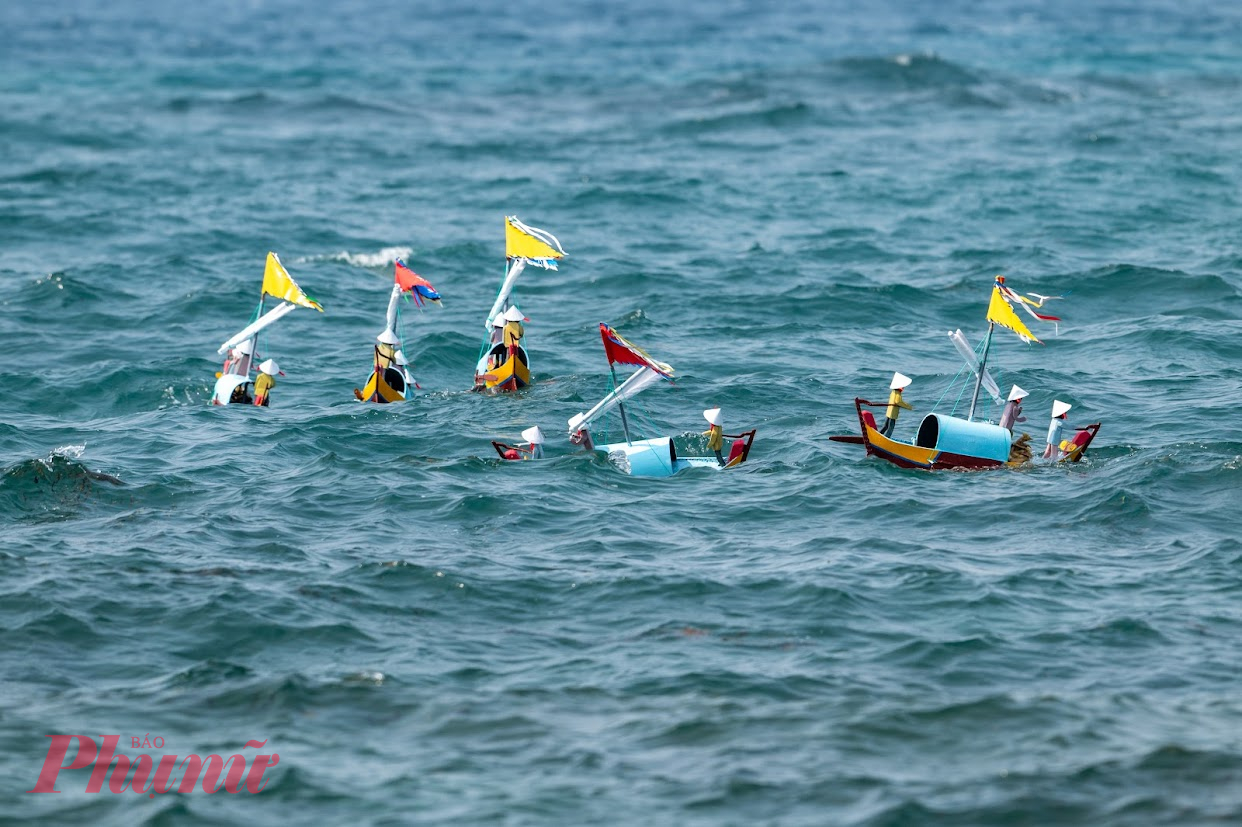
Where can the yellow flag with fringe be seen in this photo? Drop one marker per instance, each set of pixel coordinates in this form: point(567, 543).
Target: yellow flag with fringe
point(522, 241)
point(1001, 312)
point(278, 284)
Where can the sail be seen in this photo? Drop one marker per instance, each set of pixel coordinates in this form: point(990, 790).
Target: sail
point(620, 350)
point(414, 284)
point(250, 330)
point(972, 361)
point(631, 387)
point(278, 284)
point(540, 247)
point(1001, 312)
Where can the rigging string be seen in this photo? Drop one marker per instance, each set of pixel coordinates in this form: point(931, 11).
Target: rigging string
point(962, 392)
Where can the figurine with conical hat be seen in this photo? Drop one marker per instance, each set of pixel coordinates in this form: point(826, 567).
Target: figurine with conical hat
point(1012, 413)
point(240, 357)
point(512, 331)
point(498, 326)
point(714, 433)
point(895, 402)
point(388, 343)
point(532, 448)
point(403, 367)
point(534, 441)
point(387, 382)
point(265, 381)
point(1060, 411)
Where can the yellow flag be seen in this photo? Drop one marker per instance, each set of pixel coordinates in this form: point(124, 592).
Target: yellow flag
point(278, 284)
point(529, 242)
point(1000, 312)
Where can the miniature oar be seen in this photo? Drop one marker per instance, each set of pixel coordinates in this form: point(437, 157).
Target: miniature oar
point(849, 438)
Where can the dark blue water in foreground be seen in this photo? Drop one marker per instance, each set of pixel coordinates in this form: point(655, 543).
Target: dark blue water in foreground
point(788, 202)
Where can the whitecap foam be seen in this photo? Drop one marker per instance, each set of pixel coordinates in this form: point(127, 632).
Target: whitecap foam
point(70, 451)
point(380, 258)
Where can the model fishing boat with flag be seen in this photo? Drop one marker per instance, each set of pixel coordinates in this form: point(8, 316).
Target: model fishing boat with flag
point(503, 362)
point(232, 382)
point(390, 379)
point(945, 441)
point(650, 457)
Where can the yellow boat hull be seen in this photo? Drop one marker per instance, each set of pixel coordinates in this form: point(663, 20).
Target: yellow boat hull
point(509, 375)
point(379, 390)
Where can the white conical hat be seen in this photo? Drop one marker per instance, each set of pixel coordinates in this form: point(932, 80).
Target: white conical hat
point(712, 415)
point(575, 421)
point(399, 357)
point(1016, 393)
point(899, 381)
point(270, 367)
point(1059, 407)
point(533, 435)
point(515, 315)
point(246, 347)
point(499, 321)
point(388, 337)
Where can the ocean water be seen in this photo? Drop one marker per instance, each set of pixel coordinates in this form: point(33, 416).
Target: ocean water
point(786, 201)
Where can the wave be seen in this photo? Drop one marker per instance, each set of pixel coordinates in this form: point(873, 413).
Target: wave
point(770, 117)
point(55, 488)
point(908, 71)
point(1137, 283)
point(343, 104)
point(953, 84)
point(247, 102)
point(60, 290)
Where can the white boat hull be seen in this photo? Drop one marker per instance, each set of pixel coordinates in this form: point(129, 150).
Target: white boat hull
point(225, 386)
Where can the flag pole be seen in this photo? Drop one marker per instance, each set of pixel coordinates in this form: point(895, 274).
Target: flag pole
point(983, 365)
point(254, 337)
point(625, 425)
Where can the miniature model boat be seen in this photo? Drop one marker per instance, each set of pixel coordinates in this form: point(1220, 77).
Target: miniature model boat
point(233, 383)
point(646, 457)
point(944, 441)
point(503, 362)
point(390, 379)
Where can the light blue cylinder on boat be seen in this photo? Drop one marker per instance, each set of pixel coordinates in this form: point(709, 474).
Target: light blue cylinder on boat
point(646, 457)
point(957, 436)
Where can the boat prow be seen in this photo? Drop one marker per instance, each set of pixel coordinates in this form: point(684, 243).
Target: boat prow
point(507, 451)
point(1073, 450)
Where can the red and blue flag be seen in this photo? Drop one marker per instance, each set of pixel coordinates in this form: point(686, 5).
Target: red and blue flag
point(415, 285)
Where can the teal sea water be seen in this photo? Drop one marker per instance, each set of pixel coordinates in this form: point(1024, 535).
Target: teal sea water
point(786, 201)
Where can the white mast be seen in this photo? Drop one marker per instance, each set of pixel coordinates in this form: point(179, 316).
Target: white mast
point(515, 268)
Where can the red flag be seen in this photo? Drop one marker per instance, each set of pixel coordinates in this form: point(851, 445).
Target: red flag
point(619, 350)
